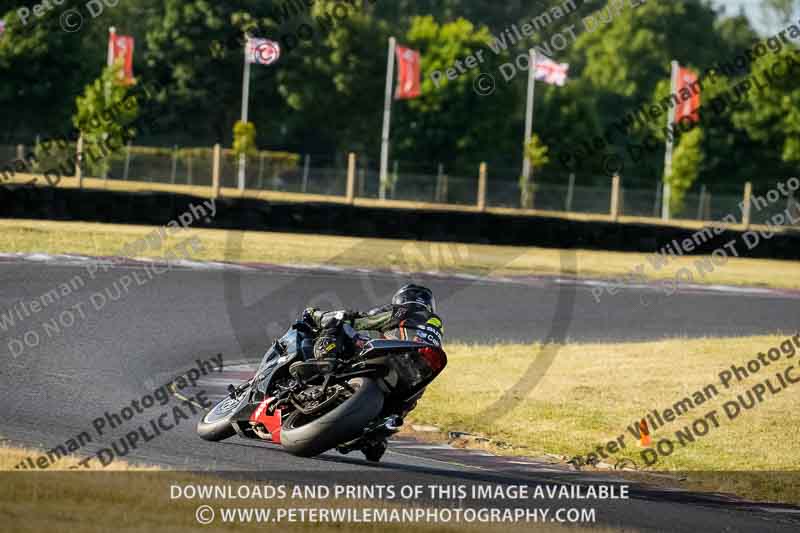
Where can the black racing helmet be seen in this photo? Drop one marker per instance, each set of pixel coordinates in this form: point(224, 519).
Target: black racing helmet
point(415, 294)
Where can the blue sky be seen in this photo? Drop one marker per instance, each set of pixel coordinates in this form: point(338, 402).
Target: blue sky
point(751, 7)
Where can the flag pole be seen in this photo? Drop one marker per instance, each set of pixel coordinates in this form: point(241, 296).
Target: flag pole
point(112, 32)
point(387, 118)
point(526, 164)
point(245, 105)
point(665, 198)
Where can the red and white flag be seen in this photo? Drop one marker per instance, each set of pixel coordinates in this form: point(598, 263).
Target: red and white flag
point(551, 72)
point(262, 51)
point(408, 73)
point(688, 91)
point(121, 47)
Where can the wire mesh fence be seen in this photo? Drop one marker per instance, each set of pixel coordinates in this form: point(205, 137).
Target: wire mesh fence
point(414, 187)
point(326, 174)
point(8, 153)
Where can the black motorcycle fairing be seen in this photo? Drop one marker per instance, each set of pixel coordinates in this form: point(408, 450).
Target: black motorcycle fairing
point(274, 365)
point(293, 346)
point(404, 373)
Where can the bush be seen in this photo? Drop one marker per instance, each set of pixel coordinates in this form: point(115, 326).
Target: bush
point(686, 162)
point(244, 138)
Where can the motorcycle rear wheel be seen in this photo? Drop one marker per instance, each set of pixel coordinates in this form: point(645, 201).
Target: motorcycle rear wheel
point(307, 436)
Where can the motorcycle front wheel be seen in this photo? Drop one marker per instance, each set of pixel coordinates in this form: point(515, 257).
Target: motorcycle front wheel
point(216, 423)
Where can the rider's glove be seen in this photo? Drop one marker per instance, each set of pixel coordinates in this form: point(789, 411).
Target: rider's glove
point(359, 341)
point(308, 317)
point(328, 345)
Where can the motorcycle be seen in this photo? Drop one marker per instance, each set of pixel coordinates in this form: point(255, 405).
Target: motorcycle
point(310, 406)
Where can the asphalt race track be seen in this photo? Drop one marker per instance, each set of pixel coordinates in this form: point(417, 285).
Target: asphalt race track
point(148, 333)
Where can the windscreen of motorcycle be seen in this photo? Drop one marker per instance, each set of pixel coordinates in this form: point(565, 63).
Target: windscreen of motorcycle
point(277, 355)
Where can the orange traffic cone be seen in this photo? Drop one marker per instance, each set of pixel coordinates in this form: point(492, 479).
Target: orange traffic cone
point(644, 435)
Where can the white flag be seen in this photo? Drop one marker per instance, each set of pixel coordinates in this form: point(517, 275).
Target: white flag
point(262, 51)
point(551, 72)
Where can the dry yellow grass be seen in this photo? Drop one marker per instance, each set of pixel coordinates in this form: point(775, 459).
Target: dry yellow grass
point(11, 456)
point(593, 392)
point(411, 256)
point(140, 501)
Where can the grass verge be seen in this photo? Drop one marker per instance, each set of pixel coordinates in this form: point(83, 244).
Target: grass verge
point(11, 456)
point(592, 393)
point(139, 499)
point(409, 256)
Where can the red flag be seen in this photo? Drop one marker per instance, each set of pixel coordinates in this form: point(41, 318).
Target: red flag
point(408, 73)
point(121, 47)
point(688, 92)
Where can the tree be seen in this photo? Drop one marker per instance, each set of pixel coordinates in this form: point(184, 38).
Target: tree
point(628, 57)
point(451, 122)
point(729, 151)
point(686, 165)
point(43, 68)
point(536, 152)
point(333, 83)
point(326, 93)
point(244, 138)
point(772, 116)
point(104, 116)
point(736, 32)
point(195, 51)
point(490, 13)
point(626, 63)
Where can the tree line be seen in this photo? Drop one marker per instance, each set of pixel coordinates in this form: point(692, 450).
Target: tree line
point(325, 95)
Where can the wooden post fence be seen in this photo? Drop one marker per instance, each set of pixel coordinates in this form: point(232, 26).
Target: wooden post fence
point(351, 178)
point(615, 182)
point(482, 178)
point(215, 172)
point(746, 212)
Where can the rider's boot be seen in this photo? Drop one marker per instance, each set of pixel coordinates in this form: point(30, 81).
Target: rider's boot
point(375, 450)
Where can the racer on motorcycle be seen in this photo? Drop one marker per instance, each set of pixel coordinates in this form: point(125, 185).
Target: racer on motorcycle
point(410, 316)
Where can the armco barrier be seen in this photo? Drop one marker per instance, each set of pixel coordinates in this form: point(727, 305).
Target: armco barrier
point(469, 226)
